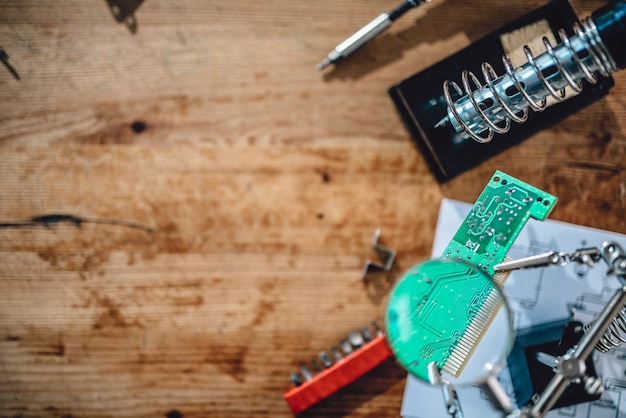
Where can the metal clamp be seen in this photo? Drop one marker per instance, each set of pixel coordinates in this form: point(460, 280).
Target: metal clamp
point(588, 256)
point(386, 255)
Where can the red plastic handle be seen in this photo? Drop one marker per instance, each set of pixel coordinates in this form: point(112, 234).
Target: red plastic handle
point(340, 374)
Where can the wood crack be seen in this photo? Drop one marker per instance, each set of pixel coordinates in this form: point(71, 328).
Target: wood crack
point(54, 219)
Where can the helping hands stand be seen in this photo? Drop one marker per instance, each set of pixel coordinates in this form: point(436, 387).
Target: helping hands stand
point(602, 334)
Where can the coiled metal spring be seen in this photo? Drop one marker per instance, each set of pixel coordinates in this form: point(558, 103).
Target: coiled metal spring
point(614, 335)
point(483, 110)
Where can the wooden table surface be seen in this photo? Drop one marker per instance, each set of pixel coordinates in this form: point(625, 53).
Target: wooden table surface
point(186, 203)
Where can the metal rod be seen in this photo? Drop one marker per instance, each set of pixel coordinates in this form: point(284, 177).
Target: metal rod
point(367, 32)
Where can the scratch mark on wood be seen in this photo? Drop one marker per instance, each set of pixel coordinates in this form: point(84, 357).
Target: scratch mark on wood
point(612, 168)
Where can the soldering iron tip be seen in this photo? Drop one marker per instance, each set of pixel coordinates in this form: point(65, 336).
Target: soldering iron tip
point(323, 64)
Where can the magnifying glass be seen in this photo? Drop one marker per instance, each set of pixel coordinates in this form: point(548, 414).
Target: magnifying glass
point(447, 322)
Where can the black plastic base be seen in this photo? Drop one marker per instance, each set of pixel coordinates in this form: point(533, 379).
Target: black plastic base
point(420, 102)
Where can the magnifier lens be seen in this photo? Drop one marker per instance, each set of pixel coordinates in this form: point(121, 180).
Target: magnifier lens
point(450, 313)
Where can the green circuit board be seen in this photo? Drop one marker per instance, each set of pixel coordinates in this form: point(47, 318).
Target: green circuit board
point(496, 219)
point(439, 309)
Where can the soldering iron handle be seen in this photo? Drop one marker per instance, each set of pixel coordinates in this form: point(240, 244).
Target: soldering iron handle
point(610, 21)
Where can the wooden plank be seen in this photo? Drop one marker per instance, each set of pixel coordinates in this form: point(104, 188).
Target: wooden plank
point(186, 206)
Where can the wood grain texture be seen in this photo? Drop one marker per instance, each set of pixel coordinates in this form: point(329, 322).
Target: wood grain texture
point(186, 203)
